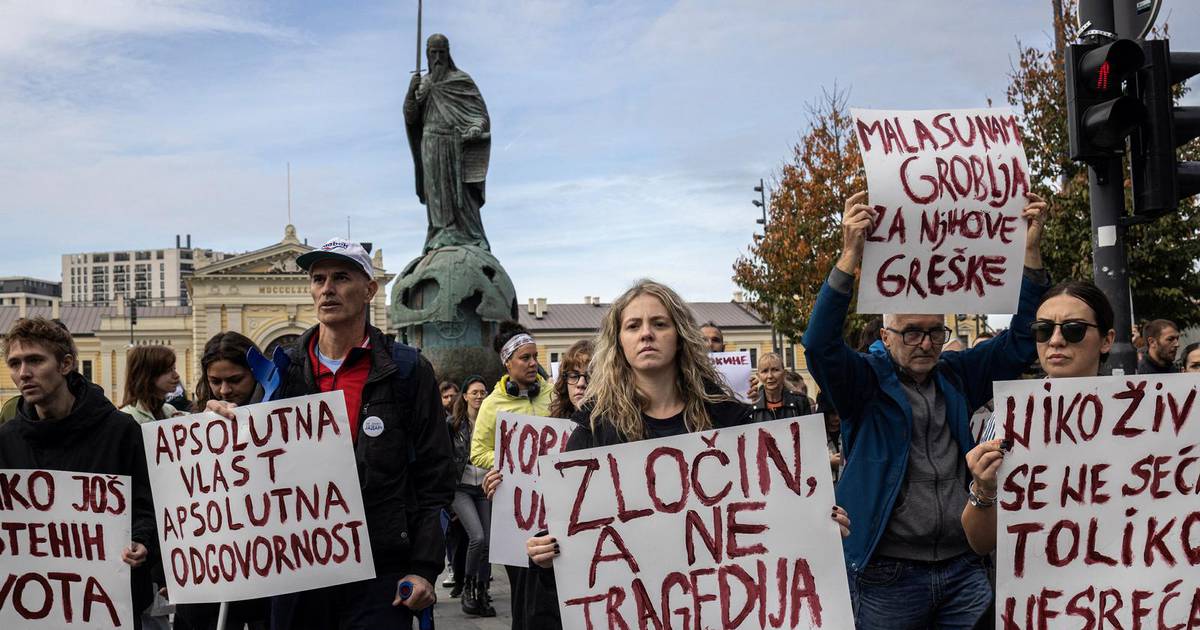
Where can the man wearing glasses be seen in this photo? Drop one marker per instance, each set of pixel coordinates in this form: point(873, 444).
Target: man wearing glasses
point(905, 409)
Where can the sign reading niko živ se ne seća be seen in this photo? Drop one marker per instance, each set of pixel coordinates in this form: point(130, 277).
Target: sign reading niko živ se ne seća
point(1099, 523)
point(262, 505)
point(60, 552)
point(726, 528)
point(518, 507)
point(948, 187)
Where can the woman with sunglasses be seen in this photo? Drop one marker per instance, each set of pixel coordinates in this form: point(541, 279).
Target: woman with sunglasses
point(1074, 333)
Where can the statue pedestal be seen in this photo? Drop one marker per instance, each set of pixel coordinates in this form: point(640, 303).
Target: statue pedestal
point(448, 302)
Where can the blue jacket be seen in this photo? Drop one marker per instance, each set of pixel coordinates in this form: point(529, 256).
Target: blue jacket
point(876, 416)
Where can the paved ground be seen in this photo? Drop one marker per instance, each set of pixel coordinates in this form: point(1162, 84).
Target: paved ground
point(449, 615)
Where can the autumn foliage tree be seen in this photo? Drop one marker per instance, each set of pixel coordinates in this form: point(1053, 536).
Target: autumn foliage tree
point(784, 268)
point(1163, 255)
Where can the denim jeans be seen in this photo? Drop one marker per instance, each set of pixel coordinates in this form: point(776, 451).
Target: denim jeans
point(891, 594)
point(475, 513)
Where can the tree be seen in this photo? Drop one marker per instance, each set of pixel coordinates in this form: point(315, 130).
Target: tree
point(785, 267)
point(1163, 255)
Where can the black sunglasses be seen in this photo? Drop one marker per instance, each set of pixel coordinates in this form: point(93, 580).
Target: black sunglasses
point(916, 336)
point(1073, 331)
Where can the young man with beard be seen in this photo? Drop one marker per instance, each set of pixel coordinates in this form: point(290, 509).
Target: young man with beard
point(65, 423)
point(400, 443)
point(1162, 343)
point(905, 410)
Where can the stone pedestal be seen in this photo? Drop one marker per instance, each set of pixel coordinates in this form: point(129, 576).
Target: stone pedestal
point(448, 303)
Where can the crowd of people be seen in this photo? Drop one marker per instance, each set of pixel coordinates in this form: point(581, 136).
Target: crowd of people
point(917, 515)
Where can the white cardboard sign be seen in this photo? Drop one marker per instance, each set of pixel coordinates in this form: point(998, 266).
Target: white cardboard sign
point(518, 508)
point(60, 555)
point(262, 505)
point(1098, 524)
point(734, 367)
point(727, 528)
point(949, 187)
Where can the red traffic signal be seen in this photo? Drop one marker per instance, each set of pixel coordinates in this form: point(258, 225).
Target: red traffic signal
point(1099, 115)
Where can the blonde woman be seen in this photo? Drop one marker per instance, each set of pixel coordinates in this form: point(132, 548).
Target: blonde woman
point(651, 378)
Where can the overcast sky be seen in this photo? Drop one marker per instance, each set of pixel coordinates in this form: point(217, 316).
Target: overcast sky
point(627, 135)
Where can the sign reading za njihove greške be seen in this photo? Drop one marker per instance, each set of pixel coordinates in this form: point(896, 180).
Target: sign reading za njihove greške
point(518, 508)
point(727, 528)
point(948, 187)
point(1098, 523)
point(60, 552)
point(265, 504)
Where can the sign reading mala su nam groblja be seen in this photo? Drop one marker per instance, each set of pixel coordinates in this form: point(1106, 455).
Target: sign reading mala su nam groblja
point(60, 550)
point(265, 504)
point(518, 507)
point(1099, 523)
point(948, 187)
point(724, 529)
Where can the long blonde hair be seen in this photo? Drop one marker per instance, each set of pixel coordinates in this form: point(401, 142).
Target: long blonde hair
point(612, 392)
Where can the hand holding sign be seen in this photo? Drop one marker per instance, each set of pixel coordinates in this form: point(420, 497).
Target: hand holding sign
point(858, 220)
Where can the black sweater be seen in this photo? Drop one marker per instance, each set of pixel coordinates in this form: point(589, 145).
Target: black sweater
point(94, 438)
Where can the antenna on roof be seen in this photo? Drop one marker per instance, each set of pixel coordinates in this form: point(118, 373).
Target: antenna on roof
point(289, 192)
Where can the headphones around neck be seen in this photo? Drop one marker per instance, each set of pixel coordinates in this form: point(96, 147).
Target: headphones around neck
point(514, 390)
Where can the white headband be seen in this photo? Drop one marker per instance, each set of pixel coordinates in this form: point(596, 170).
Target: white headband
point(509, 348)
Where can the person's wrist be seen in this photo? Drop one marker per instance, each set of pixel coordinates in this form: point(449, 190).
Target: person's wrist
point(847, 262)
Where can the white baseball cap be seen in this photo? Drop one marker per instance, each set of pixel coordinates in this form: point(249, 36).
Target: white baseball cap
point(341, 249)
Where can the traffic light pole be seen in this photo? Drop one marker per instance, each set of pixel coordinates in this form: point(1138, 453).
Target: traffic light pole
point(1110, 263)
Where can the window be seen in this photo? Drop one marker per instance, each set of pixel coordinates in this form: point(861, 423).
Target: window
point(121, 256)
point(142, 256)
point(85, 368)
point(100, 258)
point(754, 357)
point(554, 357)
point(158, 255)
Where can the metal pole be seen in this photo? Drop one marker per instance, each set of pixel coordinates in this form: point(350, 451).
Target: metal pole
point(418, 37)
point(762, 196)
point(222, 615)
point(1110, 265)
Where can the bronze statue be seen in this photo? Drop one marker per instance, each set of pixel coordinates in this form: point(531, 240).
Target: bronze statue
point(450, 136)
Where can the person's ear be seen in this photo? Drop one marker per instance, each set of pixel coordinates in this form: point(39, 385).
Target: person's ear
point(67, 365)
point(1106, 342)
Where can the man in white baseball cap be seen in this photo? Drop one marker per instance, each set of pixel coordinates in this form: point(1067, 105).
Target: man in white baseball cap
point(400, 444)
point(339, 248)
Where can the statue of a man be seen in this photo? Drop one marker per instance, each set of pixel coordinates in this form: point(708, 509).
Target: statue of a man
point(450, 136)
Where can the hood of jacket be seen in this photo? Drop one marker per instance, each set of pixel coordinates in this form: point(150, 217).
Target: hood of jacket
point(91, 408)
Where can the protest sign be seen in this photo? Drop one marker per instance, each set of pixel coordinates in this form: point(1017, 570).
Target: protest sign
point(1098, 524)
point(727, 528)
point(735, 369)
point(265, 504)
point(948, 187)
point(60, 555)
point(518, 508)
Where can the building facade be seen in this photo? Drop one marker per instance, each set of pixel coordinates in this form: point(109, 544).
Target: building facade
point(262, 294)
point(25, 291)
point(153, 277)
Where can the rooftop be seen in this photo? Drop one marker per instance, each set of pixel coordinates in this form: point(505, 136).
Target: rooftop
point(726, 315)
point(83, 320)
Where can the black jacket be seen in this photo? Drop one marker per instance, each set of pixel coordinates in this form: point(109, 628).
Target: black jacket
point(541, 593)
point(94, 438)
point(406, 472)
point(793, 405)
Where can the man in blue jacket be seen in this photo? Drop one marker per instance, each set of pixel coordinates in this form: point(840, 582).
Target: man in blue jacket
point(905, 409)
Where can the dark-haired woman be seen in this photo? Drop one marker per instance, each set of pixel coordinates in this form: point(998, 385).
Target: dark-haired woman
point(653, 379)
point(521, 390)
point(1074, 333)
point(225, 373)
point(225, 376)
point(149, 377)
point(1191, 358)
point(473, 509)
point(573, 377)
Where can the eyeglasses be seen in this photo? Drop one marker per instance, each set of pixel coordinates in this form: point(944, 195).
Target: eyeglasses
point(1073, 331)
point(915, 337)
point(573, 377)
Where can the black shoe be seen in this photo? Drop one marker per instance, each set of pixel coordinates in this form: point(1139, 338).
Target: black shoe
point(458, 588)
point(470, 598)
point(485, 600)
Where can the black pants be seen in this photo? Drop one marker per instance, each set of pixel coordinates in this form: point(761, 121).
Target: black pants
point(516, 583)
point(250, 612)
point(365, 605)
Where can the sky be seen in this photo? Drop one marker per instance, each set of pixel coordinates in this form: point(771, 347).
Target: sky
point(627, 135)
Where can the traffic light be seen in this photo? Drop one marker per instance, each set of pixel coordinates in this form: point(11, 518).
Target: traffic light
point(1160, 180)
point(1099, 114)
point(132, 313)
